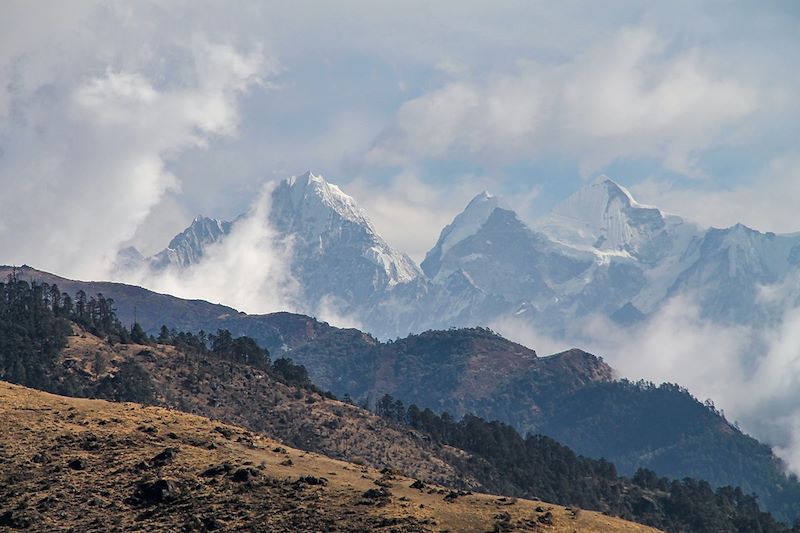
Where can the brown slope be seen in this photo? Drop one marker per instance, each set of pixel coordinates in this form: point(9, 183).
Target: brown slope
point(461, 371)
point(89, 465)
point(250, 397)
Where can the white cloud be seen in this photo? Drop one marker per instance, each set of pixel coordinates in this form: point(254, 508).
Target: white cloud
point(28, 36)
point(627, 96)
point(408, 212)
point(677, 345)
point(330, 310)
point(165, 220)
point(519, 330)
point(248, 270)
point(768, 201)
point(499, 83)
point(85, 152)
point(751, 373)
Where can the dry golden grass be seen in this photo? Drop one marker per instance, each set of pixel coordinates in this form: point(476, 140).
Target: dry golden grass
point(248, 397)
point(42, 434)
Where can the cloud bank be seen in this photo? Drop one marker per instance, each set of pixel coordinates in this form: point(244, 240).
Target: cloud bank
point(248, 270)
point(84, 153)
point(752, 373)
point(623, 97)
point(768, 201)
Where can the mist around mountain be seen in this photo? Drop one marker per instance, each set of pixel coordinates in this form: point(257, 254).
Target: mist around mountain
point(662, 298)
point(598, 254)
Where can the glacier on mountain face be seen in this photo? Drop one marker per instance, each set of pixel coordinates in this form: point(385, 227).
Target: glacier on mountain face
point(597, 217)
point(599, 252)
point(731, 267)
point(602, 252)
point(603, 217)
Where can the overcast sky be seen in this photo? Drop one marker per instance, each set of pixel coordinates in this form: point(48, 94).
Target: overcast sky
point(120, 121)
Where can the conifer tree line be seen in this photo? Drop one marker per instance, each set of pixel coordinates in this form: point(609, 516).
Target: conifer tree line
point(39, 305)
point(537, 466)
point(32, 333)
point(242, 350)
point(36, 320)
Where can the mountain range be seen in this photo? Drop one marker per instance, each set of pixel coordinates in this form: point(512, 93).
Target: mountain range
point(600, 252)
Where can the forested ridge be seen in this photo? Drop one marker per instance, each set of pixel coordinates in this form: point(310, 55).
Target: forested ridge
point(36, 321)
point(568, 396)
point(539, 466)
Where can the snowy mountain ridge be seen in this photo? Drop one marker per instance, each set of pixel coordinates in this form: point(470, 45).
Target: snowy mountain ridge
point(604, 216)
point(186, 248)
point(312, 200)
point(598, 252)
point(465, 224)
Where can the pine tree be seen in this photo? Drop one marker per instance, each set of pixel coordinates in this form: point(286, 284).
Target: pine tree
point(138, 336)
point(164, 336)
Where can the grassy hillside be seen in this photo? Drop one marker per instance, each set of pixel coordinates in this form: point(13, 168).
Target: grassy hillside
point(254, 398)
point(570, 396)
point(92, 465)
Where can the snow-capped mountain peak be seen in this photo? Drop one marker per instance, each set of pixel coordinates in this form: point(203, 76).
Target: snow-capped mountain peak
point(311, 197)
point(599, 204)
point(323, 217)
point(187, 247)
point(604, 215)
point(468, 221)
point(465, 224)
point(600, 251)
point(202, 231)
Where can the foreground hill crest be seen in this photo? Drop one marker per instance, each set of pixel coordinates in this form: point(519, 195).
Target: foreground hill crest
point(92, 465)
